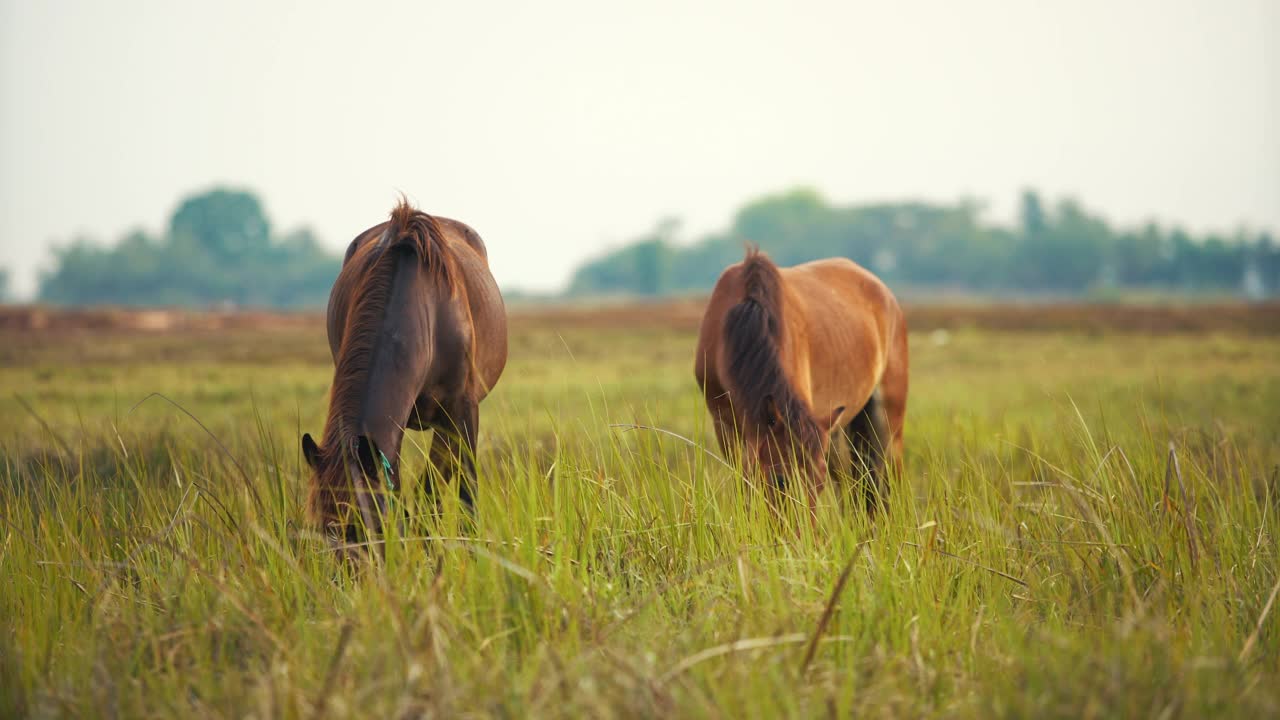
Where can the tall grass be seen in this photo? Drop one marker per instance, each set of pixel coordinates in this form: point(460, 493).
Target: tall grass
point(1086, 526)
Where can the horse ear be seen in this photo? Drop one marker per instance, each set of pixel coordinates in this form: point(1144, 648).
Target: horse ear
point(832, 421)
point(310, 451)
point(364, 456)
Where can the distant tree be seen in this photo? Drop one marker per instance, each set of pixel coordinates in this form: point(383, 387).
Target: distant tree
point(653, 258)
point(1032, 214)
point(82, 273)
point(218, 249)
point(1065, 250)
point(695, 268)
point(776, 217)
point(642, 268)
point(226, 224)
point(4, 285)
point(1080, 244)
point(1268, 261)
point(1141, 258)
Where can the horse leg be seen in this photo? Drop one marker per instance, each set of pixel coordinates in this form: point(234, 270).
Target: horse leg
point(454, 448)
point(893, 390)
point(468, 432)
point(869, 439)
point(436, 474)
point(423, 417)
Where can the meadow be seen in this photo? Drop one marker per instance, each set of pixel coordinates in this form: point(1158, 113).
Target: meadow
point(1087, 526)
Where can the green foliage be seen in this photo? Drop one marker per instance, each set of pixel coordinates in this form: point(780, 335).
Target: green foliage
point(218, 249)
point(1063, 250)
point(1041, 557)
point(225, 224)
point(644, 266)
point(4, 285)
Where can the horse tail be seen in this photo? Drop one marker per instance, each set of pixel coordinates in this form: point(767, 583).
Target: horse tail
point(753, 339)
point(418, 232)
point(760, 308)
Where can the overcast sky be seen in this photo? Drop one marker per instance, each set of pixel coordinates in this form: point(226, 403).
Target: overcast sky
point(560, 129)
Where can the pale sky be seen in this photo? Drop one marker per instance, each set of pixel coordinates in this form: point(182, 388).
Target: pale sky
point(561, 129)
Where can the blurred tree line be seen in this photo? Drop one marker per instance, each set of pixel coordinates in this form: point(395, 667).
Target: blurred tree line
point(219, 249)
point(1053, 251)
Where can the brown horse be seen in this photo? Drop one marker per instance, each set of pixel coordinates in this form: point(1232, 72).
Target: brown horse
point(418, 333)
point(784, 352)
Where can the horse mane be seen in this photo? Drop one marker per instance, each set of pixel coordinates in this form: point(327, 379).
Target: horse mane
point(408, 230)
point(753, 336)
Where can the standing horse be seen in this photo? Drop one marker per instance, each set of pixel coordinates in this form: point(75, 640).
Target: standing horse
point(784, 352)
point(418, 333)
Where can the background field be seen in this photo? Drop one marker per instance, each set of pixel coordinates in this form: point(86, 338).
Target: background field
point(1087, 526)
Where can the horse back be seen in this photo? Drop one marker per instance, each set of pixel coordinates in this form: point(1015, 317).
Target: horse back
point(843, 299)
point(849, 321)
point(841, 326)
point(473, 315)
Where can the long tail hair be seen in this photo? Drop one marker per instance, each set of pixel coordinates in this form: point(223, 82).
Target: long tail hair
point(754, 340)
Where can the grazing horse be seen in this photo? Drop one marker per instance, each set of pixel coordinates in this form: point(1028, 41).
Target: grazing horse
point(784, 352)
point(418, 333)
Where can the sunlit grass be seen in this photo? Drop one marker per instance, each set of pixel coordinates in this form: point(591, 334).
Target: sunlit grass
point(1042, 556)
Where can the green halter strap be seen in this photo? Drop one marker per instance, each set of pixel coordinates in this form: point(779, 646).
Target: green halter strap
point(386, 465)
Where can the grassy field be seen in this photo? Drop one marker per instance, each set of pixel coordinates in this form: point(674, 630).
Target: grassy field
point(1087, 527)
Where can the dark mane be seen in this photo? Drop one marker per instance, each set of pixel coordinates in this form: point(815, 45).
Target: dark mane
point(753, 335)
point(408, 232)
